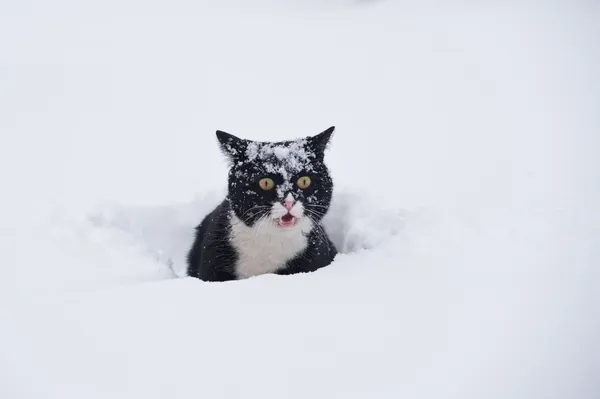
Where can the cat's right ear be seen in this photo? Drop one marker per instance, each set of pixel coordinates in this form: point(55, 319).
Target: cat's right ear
point(319, 142)
point(232, 146)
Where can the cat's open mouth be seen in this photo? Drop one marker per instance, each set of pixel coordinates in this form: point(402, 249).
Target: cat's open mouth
point(286, 220)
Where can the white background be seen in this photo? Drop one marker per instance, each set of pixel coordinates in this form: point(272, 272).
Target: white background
point(467, 191)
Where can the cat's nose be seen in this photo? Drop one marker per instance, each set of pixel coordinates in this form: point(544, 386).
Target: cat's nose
point(288, 203)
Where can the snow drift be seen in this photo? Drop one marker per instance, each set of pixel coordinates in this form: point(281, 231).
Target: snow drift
point(166, 232)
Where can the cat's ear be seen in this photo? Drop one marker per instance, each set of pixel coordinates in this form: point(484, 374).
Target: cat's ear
point(319, 142)
point(232, 146)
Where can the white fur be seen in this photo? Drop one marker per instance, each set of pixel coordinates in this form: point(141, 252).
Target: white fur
point(266, 247)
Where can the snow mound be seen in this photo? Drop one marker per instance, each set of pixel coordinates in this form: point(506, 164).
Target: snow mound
point(354, 223)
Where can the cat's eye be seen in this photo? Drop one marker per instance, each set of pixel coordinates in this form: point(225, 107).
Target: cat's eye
point(266, 184)
point(303, 182)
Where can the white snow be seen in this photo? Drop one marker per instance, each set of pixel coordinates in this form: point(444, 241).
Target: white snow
point(466, 168)
point(282, 159)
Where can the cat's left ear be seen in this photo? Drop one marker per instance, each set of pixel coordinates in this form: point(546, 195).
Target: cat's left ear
point(319, 142)
point(232, 146)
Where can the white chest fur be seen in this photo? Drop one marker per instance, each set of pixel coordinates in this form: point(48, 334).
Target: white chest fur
point(265, 247)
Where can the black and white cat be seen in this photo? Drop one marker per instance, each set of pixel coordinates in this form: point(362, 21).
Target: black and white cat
point(270, 221)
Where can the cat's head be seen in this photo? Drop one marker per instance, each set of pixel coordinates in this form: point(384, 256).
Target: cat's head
point(285, 184)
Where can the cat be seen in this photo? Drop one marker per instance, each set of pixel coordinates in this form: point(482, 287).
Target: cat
point(271, 218)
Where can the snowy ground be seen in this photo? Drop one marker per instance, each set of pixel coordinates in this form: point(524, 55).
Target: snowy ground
point(465, 159)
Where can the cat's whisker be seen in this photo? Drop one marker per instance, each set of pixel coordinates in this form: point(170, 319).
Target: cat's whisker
point(316, 208)
point(312, 210)
point(250, 217)
point(253, 208)
point(315, 205)
point(313, 213)
point(258, 208)
point(257, 212)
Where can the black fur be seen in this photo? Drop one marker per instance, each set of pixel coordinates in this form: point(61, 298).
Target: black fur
point(213, 258)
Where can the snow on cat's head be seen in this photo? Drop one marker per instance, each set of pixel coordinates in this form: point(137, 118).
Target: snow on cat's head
point(285, 183)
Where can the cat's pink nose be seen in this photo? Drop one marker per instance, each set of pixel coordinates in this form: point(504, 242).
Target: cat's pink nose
point(288, 203)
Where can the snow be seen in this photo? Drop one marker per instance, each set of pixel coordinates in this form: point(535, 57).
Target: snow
point(292, 153)
point(285, 159)
point(465, 207)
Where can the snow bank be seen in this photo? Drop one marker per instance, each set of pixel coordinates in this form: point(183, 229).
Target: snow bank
point(166, 232)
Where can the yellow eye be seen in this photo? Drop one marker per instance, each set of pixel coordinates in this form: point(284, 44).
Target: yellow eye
point(303, 182)
point(266, 184)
